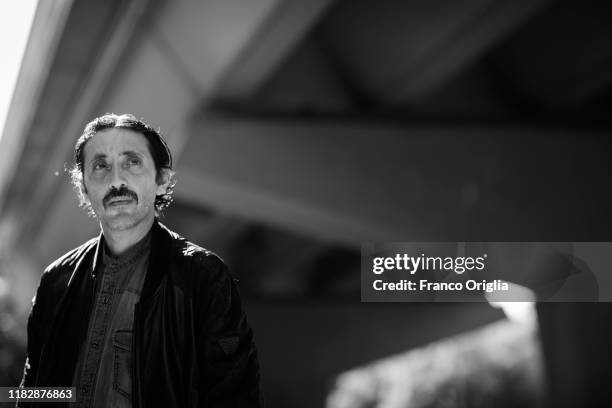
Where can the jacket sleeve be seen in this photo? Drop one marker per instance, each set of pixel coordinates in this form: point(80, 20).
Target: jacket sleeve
point(227, 356)
point(34, 344)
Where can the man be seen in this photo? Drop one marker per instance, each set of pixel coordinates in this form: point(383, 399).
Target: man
point(138, 317)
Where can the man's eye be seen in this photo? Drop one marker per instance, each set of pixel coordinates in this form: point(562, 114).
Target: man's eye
point(100, 166)
point(134, 161)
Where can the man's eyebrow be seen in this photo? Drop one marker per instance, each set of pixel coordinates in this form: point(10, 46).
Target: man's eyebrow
point(98, 156)
point(131, 153)
point(124, 153)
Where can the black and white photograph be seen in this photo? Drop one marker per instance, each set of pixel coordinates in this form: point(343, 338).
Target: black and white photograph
point(306, 203)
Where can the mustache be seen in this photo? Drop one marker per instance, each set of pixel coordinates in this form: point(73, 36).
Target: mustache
point(122, 191)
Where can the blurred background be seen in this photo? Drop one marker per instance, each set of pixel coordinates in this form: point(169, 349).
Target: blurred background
point(304, 128)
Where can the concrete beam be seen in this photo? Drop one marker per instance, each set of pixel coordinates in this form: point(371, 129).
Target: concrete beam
point(464, 41)
point(206, 37)
point(354, 182)
point(407, 50)
point(277, 37)
point(561, 58)
point(47, 27)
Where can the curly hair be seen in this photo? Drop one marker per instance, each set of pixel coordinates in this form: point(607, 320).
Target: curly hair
point(158, 148)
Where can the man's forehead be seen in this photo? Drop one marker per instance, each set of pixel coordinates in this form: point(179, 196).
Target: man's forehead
point(116, 141)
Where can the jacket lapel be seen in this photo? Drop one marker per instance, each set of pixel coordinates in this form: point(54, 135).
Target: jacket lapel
point(161, 242)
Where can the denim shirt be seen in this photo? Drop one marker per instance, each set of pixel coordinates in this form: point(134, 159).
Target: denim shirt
point(103, 371)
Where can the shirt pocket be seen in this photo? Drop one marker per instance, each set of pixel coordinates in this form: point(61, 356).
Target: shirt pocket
point(122, 364)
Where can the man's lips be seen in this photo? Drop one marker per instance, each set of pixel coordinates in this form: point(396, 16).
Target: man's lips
point(120, 196)
point(120, 200)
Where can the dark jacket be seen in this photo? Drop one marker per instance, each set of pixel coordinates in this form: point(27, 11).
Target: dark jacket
point(191, 344)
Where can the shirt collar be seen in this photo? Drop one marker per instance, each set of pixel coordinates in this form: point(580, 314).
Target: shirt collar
point(128, 257)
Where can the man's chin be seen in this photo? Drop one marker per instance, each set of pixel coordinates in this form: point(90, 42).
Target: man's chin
point(118, 211)
point(123, 218)
point(119, 219)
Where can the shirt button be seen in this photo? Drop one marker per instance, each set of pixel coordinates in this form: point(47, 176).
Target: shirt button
point(94, 345)
point(84, 389)
point(104, 300)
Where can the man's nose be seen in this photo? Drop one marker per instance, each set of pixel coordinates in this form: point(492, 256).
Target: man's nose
point(117, 177)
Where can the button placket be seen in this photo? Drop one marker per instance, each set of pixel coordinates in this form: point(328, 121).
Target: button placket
point(94, 352)
point(112, 284)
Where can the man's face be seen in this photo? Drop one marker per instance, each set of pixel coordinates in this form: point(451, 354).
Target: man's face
point(119, 177)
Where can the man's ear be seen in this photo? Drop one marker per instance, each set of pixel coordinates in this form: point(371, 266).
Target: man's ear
point(165, 181)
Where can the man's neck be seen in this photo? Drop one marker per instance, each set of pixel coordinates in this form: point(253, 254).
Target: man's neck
point(118, 241)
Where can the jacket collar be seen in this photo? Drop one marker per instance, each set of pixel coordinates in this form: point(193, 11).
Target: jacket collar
point(162, 241)
point(97, 254)
point(99, 250)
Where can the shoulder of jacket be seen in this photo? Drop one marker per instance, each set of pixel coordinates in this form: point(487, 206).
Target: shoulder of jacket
point(70, 258)
point(199, 257)
point(201, 264)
